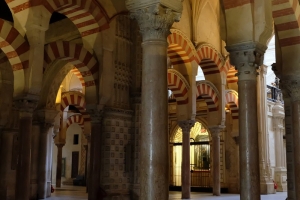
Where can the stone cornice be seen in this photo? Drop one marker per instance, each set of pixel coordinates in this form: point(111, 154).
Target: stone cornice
point(155, 21)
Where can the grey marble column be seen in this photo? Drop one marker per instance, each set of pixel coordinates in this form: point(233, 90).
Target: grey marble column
point(25, 108)
point(59, 164)
point(185, 166)
point(215, 134)
point(291, 88)
point(246, 58)
point(155, 22)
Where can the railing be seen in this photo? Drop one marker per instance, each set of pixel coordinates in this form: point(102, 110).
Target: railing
point(274, 94)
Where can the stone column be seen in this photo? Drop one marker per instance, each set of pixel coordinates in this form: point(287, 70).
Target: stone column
point(59, 164)
point(185, 166)
point(215, 134)
point(43, 153)
point(155, 22)
point(246, 58)
point(95, 154)
point(88, 149)
point(280, 170)
point(291, 85)
point(25, 108)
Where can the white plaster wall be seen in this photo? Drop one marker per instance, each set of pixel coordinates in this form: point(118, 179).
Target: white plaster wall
point(67, 152)
point(70, 147)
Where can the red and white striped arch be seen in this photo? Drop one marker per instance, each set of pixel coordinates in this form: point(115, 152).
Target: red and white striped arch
point(181, 50)
point(78, 75)
point(210, 60)
point(232, 100)
point(75, 119)
point(88, 15)
point(75, 54)
point(13, 44)
point(231, 77)
point(179, 86)
point(286, 14)
point(75, 99)
point(209, 93)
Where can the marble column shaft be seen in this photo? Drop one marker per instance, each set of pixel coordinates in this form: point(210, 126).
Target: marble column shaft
point(95, 162)
point(59, 164)
point(43, 165)
point(290, 164)
point(291, 92)
point(186, 165)
point(23, 167)
point(215, 134)
point(246, 58)
point(8, 161)
point(155, 23)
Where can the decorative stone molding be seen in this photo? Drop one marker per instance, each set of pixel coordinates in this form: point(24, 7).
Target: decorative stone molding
point(247, 58)
point(291, 87)
point(186, 126)
point(175, 5)
point(155, 20)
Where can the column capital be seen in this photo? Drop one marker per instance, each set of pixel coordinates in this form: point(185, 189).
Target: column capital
point(215, 130)
point(155, 21)
point(60, 145)
point(25, 106)
point(247, 58)
point(96, 114)
point(186, 125)
point(290, 87)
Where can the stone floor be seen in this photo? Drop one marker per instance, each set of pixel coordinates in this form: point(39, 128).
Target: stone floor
point(74, 193)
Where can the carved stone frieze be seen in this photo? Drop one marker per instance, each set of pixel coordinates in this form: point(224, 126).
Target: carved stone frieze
point(155, 21)
point(290, 87)
point(186, 126)
point(247, 58)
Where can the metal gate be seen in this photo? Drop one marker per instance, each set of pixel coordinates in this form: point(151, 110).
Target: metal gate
point(200, 164)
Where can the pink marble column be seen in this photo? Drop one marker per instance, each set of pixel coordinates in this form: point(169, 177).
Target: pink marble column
point(246, 58)
point(215, 134)
point(185, 166)
point(59, 164)
point(25, 108)
point(155, 22)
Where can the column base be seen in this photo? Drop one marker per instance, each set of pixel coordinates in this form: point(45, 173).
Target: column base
point(117, 196)
point(280, 179)
point(267, 187)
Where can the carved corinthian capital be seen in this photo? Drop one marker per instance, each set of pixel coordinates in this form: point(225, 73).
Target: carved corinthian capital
point(186, 126)
point(291, 87)
point(155, 21)
point(247, 58)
